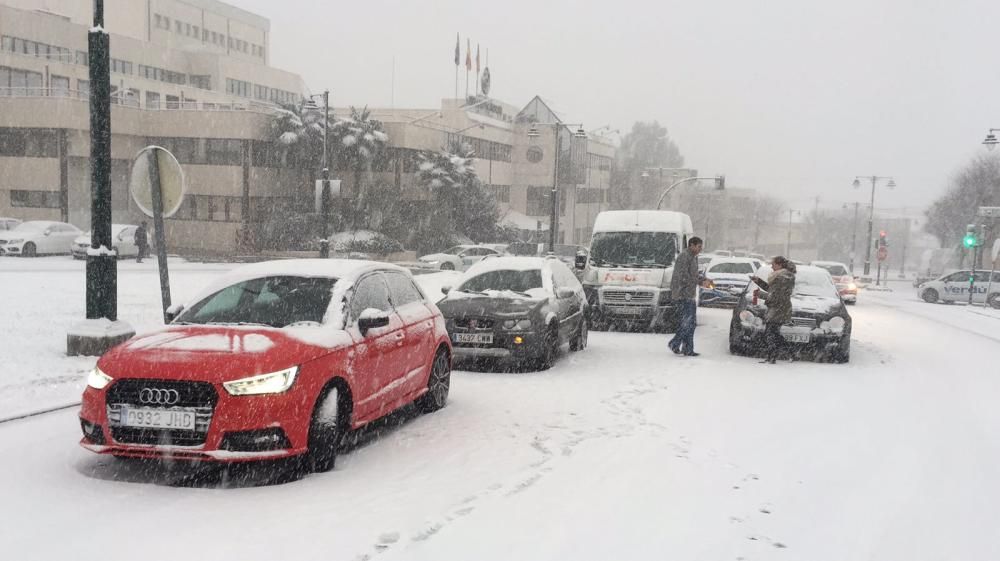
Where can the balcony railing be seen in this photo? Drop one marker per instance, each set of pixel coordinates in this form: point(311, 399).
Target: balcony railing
point(134, 103)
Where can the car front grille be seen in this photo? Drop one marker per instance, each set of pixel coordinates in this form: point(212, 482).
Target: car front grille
point(639, 297)
point(474, 323)
point(804, 322)
point(199, 396)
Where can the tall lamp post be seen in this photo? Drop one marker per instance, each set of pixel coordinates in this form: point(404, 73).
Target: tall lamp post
point(533, 133)
point(325, 203)
point(871, 213)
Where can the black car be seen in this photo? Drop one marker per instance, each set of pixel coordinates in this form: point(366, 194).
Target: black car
point(820, 326)
point(520, 309)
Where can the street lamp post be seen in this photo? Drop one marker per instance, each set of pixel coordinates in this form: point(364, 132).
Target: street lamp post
point(554, 218)
point(871, 214)
point(788, 240)
point(325, 203)
point(720, 184)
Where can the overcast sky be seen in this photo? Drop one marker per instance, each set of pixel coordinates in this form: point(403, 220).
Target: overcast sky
point(791, 97)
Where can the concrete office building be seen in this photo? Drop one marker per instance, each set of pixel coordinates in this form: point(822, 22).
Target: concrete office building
point(516, 166)
point(190, 75)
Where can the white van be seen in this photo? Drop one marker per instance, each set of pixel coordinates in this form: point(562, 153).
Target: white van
point(627, 275)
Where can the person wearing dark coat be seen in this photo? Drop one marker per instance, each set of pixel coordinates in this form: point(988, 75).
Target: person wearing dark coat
point(142, 242)
point(684, 293)
point(776, 292)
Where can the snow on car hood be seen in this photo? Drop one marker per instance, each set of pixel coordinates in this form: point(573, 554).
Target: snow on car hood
point(218, 353)
point(814, 304)
point(497, 303)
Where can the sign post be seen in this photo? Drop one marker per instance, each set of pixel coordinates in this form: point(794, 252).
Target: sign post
point(157, 187)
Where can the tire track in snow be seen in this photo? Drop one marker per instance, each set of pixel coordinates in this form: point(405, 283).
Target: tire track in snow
point(554, 442)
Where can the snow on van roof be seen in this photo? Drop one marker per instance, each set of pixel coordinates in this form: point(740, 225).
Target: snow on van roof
point(643, 221)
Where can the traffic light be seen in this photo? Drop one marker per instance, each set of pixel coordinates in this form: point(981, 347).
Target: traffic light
point(970, 240)
point(882, 239)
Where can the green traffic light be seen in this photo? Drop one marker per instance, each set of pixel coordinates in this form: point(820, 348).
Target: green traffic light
point(969, 240)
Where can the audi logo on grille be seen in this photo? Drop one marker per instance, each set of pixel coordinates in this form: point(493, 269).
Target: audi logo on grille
point(628, 297)
point(159, 396)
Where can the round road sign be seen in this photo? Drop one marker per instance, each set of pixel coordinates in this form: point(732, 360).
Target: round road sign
point(168, 173)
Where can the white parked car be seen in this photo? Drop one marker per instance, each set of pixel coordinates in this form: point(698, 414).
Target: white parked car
point(8, 224)
point(728, 278)
point(38, 237)
point(459, 258)
point(954, 287)
point(122, 236)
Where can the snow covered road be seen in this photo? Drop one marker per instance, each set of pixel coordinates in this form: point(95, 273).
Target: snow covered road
point(624, 451)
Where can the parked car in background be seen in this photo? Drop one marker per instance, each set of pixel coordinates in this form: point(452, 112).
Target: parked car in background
point(570, 254)
point(954, 287)
point(820, 324)
point(727, 279)
point(8, 224)
point(122, 236)
point(458, 258)
point(520, 309)
point(842, 279)
point(38, 237)
point(274, 360)
point(704, 259)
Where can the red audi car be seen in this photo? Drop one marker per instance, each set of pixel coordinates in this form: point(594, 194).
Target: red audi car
point(274, 360)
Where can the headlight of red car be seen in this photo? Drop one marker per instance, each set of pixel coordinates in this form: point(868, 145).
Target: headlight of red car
point(275, 382)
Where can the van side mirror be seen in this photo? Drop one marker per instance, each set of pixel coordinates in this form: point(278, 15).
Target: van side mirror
point(372, 319)
point(173, 311)
point(581, 261)
point(445, 290)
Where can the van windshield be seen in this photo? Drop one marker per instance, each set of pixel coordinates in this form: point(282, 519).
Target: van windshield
point(633, 249)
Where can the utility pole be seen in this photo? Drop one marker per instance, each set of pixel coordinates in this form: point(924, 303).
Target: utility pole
point(788, 242)
point(871, 214)
point(324, 242)
point(816, 218)
point(554, 218)
point(854, 236)
point(102, 264)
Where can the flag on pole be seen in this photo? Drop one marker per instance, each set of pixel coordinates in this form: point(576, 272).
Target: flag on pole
point(457, 50)
point(468, 55)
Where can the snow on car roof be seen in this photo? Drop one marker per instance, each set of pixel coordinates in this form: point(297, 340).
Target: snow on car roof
point(823, 263)
point(716, 259)
point(346, 271)
point(642, 221)
point(37, 224)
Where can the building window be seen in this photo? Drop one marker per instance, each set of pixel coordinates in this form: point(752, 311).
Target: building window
point(34, 199)
point(502, 193)
point(173, 102)
point(204, 35)
point(177, 26)
point(83, 86)
point(202, 82)
point(59, 85)
point(215, 38)
point(261, 52)
point(223, 151)
point(159, 20)
point(237, 87)
point(30, 143)
point(152, 100)
point(121, 66)
point(82, 58)
point(166, 23)
point(20, 82)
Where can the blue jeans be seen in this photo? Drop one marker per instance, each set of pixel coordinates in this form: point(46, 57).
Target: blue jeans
point(684, 338)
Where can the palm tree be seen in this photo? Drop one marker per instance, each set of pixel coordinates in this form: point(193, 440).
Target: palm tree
point(359, 141)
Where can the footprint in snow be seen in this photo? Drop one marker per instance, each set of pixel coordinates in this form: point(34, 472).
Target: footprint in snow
point(388, 538)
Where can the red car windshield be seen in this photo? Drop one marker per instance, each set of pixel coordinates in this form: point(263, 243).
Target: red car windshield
point(275, 301)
